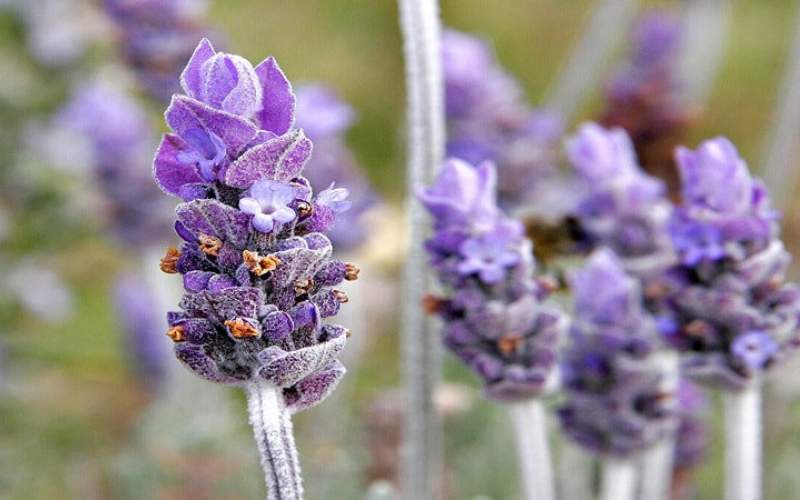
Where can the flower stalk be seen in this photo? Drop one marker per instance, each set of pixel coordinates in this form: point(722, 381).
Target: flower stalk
point(743, 444)
point(619, 479)
point(419, 20)
point(272, 427)
point(530, 429)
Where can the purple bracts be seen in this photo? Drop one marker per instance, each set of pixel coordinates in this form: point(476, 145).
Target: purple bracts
point(620, 206)
point(493, 317)
point(256, 266)
point(489, 120)
point(692, 437)
point(618, 392)
point(728, 308)
point(326, 118)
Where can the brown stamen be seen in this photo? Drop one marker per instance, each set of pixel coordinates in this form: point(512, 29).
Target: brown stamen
point(177, 333)
point(697, 328)
point(351, 272)
point(260, 265)
point(340, 296)
point(432, 304)
point(169, 262)
point(240, 328)
point(548, 284)
point(210, 245)
point(304, 209)
point(510, 343)
point(303, 286)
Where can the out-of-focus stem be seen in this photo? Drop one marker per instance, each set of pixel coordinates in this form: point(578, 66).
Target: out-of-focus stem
point(530, 429)
point(743, 444)
point(619, 479)
point(657, 470)
point(575, 473)
point(272, 428)
point(706, 26)
point(779, 162)
point(420, 26)
point(607, 26)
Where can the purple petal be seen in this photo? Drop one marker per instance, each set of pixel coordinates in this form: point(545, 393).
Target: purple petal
point(190, 78)
point(185, 113)
point(281, 158)
point(170, 174)
point(278, 100)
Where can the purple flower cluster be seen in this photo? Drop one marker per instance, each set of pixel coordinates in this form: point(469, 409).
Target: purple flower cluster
point(620, 206)
point(691, 439)
point(617, 386)
point(488, 120)
point(120, 139)
point(156, 38)
point(256, 266)
point(493, 317)
point(326, 118)
point(728, 309)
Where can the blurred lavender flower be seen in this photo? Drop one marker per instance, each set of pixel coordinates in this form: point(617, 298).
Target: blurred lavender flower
point(256, 267)
point(142, 328)
point(120, 140)
point(39, 290)
point(157, 37)
point(692, 438)
point(326, 118)
point(645, 98)
point(488, 119)
point(619, 397)
point(727, 305)
point(494, 319)
point(620, 206)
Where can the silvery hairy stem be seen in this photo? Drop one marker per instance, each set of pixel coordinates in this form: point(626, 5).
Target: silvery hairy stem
point(706, 26)
point(530, 431)
point(272, 428)
point(619, 479)
point(575, 473)
point(743, 444)
point(607, 26)
point(420, 26)
point(778, 162)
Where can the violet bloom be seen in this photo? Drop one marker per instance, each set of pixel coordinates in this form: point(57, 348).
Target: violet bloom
point(142, 329)
point(618, 393)
point(255, 263)
point(727, 305)
point(157, 38)
point(494, 319)
point(620, 207)
point(691, 441)
point(120, 139)
point(323, 115)
point(489, 120)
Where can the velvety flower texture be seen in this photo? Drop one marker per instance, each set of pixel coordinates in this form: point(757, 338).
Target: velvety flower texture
point(620, 206)
point(493, 316)
point(618, 390)
point(645, 97)
point(488, 119)
point(120, 139)
point(728, 308)
point(157, 37)
point(326, 118)
point(257, 270)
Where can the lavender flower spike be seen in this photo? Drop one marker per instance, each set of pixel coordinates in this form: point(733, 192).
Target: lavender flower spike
point(493, 315)
point(256, 266)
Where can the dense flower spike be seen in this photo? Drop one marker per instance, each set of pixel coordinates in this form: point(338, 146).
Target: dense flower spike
point(619, 206)
point(494, 319)
point(326, 118)
point(157, 37)
point(120, 140)
point(619, 394)
point(728, 307)
point(645, 97)
point(488, 119)
point(257, 270)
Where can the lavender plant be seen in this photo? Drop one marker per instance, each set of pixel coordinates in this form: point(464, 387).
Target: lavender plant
point(488, 119)
point(691, 439)
point(325, 118)
point(727, 305)
point(493, 315)
point(618, 386)
point(619, 206)
point(256, 266)
point(156, 38)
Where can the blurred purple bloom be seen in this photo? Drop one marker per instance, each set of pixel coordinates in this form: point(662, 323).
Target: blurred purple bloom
point(692, 437)
point(618, 398)
point(754, 349)
point(602, 155)
point(493, 318)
